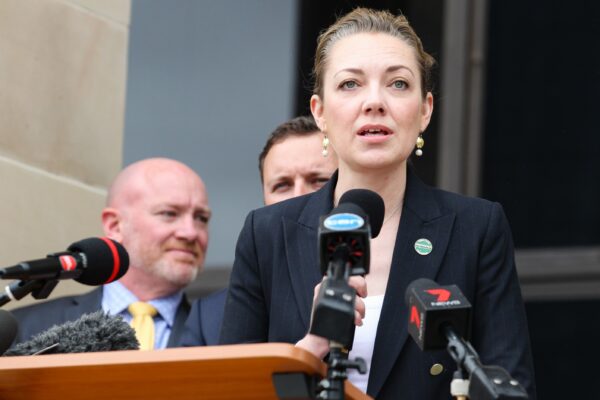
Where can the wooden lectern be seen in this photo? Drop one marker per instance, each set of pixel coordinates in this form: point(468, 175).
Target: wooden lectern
point(216, 372)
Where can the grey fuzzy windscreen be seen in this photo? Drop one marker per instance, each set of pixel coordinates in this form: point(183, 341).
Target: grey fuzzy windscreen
point(92, 332)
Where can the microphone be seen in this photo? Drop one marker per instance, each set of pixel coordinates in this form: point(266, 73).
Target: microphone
point(369, 203)
point(92, 261)
point(357, 218)
point(8, 330)
point(92, 332)
point(440, 317)
point(344, 242)
point(432, 309)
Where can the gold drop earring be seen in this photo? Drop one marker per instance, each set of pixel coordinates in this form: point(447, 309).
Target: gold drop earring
point(325, 150)
point(420, 144)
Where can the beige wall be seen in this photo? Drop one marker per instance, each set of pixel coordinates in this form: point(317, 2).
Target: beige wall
point(62, 107)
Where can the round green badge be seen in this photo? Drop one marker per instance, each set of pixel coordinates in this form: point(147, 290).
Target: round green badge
point(423, 247)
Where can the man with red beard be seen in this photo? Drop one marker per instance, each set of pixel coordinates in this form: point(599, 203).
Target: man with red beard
point(158, 209)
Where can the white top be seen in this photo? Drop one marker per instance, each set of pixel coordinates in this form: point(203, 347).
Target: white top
point(364, 340)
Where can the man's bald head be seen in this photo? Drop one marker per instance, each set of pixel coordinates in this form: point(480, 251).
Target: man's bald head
point(158, 209)
point(126, 186)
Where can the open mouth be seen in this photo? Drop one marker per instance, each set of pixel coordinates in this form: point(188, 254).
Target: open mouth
point(374, 132)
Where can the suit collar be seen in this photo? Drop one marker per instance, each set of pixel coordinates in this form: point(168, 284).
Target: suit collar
point(319, 203)
point(88, 301)
point(181, 315)
point(422, 218)
point(420, 199)
point(84, 303)
point(301, 237)
point(92, 301)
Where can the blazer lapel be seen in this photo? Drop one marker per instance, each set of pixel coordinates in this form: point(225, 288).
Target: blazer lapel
point(421, 219)
point(83, 304)
point(301, 251)
point(179, 322)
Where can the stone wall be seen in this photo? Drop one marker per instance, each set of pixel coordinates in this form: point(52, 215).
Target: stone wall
point(63, 67)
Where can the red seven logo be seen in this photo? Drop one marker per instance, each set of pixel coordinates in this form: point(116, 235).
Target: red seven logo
point(442, 294)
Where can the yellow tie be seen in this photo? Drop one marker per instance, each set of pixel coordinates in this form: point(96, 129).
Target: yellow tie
point(143, 324)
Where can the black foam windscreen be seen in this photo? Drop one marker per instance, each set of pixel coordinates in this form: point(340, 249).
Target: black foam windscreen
point(8, 330)
point(370, 203)
point(106, 260)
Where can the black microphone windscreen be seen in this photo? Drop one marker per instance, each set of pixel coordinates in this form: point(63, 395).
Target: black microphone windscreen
point(418, 284)
point(8, 330)
point(107, 260)
point(371, 203)
point(432, 308)
point(92, 332)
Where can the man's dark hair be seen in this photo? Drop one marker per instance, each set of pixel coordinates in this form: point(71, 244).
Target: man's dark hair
point(299, 126)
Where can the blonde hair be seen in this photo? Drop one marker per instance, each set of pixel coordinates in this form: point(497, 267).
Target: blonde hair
point(366, 20)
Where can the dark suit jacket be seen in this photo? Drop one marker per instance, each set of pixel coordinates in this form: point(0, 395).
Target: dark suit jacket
point(276, 269)
point(204, 323)
point(37, 318)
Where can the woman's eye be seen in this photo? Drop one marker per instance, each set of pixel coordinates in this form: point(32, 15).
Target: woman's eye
point(349, 85)
point(400, 84)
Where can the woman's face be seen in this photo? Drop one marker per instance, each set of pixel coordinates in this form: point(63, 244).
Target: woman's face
point(372, 107)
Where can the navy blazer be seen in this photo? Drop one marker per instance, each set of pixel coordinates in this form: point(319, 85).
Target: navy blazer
point(204, 323)
point(276, 269)
point(39, 317)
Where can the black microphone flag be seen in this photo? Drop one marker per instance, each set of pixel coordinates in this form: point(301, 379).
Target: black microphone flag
point(431, 308)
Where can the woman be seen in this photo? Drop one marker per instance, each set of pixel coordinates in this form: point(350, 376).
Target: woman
point(372, 99)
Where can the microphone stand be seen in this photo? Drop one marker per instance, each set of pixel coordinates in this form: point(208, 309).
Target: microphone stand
point(485, 382)
point(334, 320)
point(39, 289)
point(332, 387)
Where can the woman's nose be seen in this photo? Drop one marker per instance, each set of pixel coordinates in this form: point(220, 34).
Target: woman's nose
point(374, 103)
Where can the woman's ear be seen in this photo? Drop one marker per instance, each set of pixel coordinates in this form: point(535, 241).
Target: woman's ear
point(316, 108)
point(426, 111)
